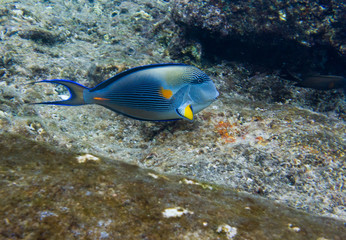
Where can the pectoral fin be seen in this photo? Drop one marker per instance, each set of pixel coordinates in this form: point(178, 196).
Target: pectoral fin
point(185, 111)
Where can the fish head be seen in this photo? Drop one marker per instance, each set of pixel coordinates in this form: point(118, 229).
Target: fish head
point(193, 98)
point(197, 93)
point(202, 95)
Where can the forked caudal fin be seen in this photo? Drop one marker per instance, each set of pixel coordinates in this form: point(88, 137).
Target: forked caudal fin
point(76, 91)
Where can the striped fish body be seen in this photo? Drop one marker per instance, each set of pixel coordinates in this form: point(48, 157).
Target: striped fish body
point(153, 92)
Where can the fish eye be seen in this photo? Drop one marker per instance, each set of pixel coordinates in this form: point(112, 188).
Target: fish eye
point(196, 76)
point(200, 79)
point(196, 79)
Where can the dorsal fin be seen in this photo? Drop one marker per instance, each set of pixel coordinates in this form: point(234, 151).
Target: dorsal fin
point(129, 71)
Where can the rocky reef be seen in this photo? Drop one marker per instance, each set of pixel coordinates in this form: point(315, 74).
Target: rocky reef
point(49, 193)
point(298, 35)
point(267, 38)
point(264, 136)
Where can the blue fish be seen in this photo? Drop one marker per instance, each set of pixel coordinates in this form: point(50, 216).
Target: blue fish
point(156, 92)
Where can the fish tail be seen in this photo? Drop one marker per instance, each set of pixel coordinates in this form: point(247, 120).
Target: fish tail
point(76, 92)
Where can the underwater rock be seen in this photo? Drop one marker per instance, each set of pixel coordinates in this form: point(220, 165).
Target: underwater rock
point(40, 36)
point(262, 136)
point(292, 34)
point(47, 193)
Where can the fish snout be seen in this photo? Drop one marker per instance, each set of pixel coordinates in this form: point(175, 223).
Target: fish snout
point(217, 94)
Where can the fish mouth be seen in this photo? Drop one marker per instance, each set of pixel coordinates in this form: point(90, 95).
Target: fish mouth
point(217, 96)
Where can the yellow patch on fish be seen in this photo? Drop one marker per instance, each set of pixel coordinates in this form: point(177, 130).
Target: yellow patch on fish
point(166, 93)
point(100, 98)
point(188, 112)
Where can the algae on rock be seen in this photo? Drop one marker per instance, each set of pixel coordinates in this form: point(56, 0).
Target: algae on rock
point(47, 193)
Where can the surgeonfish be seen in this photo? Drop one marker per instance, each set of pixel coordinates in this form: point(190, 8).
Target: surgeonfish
point(157, 92)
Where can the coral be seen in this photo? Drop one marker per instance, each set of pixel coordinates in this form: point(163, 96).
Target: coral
point(229, 132)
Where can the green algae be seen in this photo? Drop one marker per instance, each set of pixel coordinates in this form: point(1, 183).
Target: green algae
point(47, 194)
point(289, 165)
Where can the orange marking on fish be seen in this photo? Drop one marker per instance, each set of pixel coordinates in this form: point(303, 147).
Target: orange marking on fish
point(100, 99)
point(166, 93)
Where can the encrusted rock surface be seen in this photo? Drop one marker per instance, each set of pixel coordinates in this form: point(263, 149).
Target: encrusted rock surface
point(46, 193)
point(263, 136)
point(298, 35)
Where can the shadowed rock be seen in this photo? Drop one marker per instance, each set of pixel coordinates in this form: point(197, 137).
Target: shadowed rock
point(290, 34)
point(52, 193)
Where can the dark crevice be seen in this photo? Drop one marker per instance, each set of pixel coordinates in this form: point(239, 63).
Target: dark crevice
point(270, 51)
